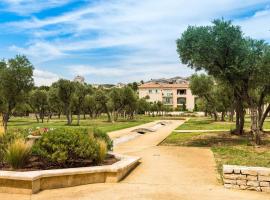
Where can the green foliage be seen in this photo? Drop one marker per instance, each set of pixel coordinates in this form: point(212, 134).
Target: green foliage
point(65, 145)
point(16, 80)
point(102, 150)
point(2, 149)
point(102, 135)
point(65, 92)
point(39, 102)
point(17, 153)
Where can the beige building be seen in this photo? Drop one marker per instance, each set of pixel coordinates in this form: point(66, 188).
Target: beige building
point(172, 94)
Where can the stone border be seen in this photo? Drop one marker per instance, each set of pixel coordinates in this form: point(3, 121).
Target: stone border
point(246, 178)
point(31, 182)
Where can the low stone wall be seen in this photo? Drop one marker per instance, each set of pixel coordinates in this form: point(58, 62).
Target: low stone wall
point(246, 178)
point(31, 182)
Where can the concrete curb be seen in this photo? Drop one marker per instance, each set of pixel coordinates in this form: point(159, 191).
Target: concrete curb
point(31, 182)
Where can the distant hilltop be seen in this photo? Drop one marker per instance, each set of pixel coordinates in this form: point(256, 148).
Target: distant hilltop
point(174, 80)
point(177, 79)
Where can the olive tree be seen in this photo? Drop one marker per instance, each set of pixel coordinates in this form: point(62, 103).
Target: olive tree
point(16, 80)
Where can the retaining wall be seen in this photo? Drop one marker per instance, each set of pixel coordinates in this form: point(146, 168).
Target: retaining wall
point(246, 178)
point(31, 182)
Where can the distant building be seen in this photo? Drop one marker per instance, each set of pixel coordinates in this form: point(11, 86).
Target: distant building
point(79, 79)
point(120, 85)
point(172, 93)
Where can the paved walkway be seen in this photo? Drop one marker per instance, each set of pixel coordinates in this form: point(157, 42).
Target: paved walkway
point(200, 131)
point(164, 173)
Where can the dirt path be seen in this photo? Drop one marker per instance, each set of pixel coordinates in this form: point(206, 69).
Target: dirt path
point(164, 173)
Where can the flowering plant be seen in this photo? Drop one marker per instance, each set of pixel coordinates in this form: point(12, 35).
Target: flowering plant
point(39, 131)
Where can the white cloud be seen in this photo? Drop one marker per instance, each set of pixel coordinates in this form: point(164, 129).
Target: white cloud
point(257, 25)
point(148, 29)
point(44, 77)
point(26, 7)
point(39, 51)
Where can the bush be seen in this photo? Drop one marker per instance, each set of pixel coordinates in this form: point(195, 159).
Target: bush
point(2, 149)
point(8, 138)
point(104, 136)
point(102, 150)
point(17, 153)
point(66, 145)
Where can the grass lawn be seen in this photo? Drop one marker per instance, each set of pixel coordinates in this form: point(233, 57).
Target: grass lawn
point(101, 122)
point(207, 123)
point(227, 148)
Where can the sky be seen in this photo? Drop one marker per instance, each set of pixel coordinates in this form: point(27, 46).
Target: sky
point(111, 41)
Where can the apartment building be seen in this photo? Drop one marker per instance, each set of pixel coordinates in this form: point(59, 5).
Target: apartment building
point(174, 94)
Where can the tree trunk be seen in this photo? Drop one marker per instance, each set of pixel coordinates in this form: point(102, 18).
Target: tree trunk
point(36, 115)
point(68, 115)
point(231, 114)
point(223, 116)
point(254, 125)
point(215, 114)
point(5, 121)
point(263, 117)
point(240, 118)
point(78, 118)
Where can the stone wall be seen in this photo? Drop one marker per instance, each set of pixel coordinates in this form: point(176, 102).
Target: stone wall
point(246, 178)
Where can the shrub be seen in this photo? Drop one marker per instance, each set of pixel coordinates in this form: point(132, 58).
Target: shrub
point(104, 136)
point(66, 145)
point(17, 153)
point(2, 149)
point(8, 138)
point(102, 150)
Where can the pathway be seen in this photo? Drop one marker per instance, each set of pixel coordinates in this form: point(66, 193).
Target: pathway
point(164, 173)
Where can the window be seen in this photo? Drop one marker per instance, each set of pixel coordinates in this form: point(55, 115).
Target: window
point(150, 91)
point(181, 100)
point(168, 93)
point(168, 100)
point(181, 92)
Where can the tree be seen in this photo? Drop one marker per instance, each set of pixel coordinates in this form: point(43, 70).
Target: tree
point(101, 100)
point(203, 86)
point(220, 50)
point(129, 101)
point(134, 86)
point(90, 105)
point(224, 53)
point(65, 90)
point(55, 104)
point(16, 80)
point(81, 90)
point(39, 103)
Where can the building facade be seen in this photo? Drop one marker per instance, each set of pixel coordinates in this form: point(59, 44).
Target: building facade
point(171, 94)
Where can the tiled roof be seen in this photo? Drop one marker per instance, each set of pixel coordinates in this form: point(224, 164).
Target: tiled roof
point(163, 85)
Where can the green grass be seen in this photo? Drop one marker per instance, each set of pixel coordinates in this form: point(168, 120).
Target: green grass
point(207, 123)
point(227, 148)
point(101, 123)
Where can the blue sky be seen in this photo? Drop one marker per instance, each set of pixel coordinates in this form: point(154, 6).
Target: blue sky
point(111, 41)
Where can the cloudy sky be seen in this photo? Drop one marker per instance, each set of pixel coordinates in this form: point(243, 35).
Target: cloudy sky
point(111, 41)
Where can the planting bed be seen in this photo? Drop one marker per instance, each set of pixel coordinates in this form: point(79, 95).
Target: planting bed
point(29, 182)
